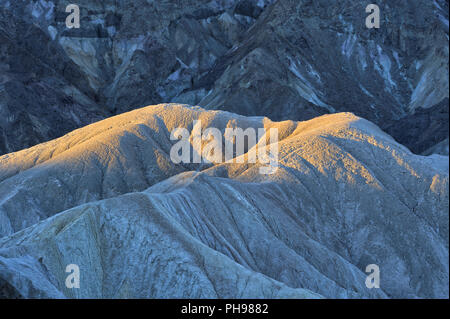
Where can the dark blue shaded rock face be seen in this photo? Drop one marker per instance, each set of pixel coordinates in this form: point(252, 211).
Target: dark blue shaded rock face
point(54, 79)
point(7, 291)
point(304, 58)
point(284, 59)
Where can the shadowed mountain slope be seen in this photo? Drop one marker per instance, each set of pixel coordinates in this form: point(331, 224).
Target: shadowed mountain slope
point(284, 59)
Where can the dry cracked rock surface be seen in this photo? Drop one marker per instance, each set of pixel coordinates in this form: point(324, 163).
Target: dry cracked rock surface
point(284, 59)
point(108, 198)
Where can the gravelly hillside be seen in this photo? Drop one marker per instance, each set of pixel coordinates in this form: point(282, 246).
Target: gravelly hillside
point(345, 195)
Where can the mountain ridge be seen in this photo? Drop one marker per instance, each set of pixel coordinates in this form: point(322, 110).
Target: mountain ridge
point(345, 194)
point(285, 59)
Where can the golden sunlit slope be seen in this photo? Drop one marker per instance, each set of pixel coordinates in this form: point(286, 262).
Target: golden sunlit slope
point(345, 195)
point(122, 154)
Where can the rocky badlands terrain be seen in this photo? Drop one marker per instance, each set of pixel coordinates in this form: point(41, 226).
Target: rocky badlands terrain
point(86, 176)
point(108, 198)
point(284, 59)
